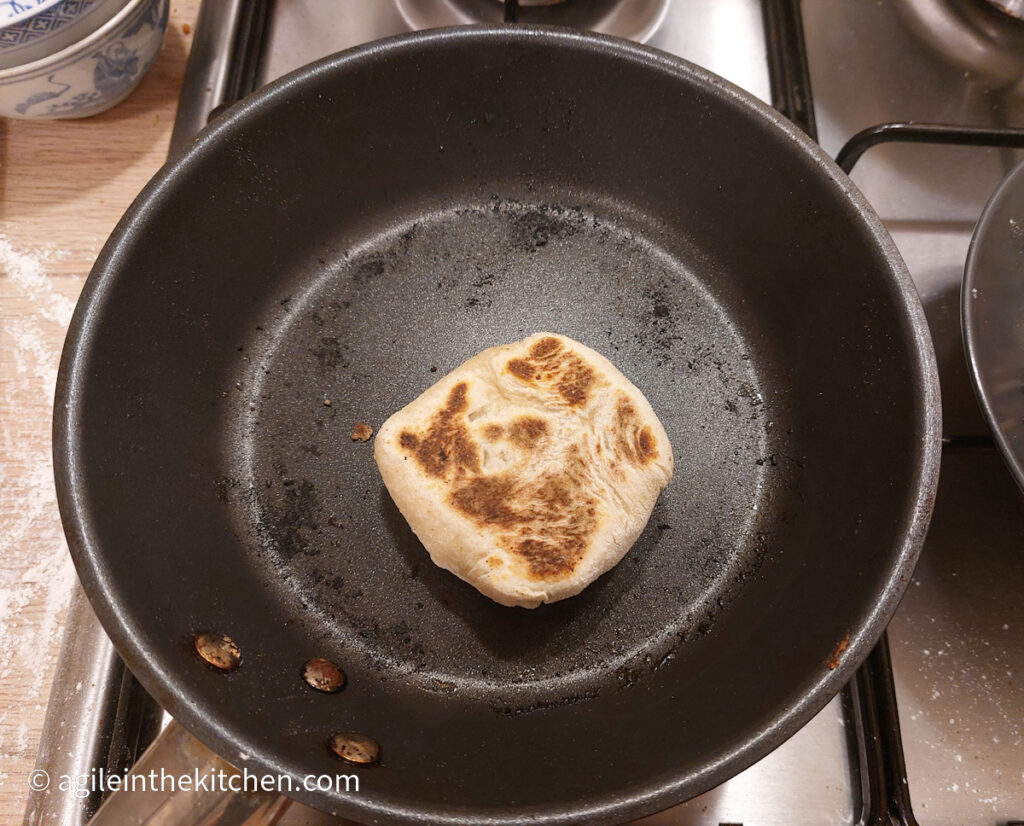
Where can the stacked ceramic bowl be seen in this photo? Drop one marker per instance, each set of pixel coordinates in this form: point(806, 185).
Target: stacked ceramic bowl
point(74, 58)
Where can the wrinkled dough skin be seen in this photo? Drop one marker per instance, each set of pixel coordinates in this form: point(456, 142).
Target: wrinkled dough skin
point(529, 470)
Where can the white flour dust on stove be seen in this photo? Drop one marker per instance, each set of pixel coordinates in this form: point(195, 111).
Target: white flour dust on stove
point(967, 731)
point(36, 574)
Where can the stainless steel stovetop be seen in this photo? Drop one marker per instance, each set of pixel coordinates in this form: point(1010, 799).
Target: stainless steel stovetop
point(957, 641)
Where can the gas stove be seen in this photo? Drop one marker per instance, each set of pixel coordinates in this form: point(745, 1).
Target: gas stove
point(931, 730)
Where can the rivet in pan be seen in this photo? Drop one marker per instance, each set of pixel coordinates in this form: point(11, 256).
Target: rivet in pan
point(357, 749)
point(218, 651)
point(323, 675)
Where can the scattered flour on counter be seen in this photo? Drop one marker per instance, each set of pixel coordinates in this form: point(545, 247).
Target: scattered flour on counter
point(21, 740)
point(36, 575)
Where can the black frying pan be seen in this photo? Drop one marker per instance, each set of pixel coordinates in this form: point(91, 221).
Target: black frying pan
point(364, 225)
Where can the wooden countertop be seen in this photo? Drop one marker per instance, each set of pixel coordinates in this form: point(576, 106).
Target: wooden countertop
point(63, 186)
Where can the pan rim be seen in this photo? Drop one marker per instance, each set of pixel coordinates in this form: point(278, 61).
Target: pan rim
point(969, 324)
point(243, 750)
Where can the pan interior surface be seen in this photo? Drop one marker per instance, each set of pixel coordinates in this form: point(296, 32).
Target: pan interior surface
point(319, 245)
point(461, 280)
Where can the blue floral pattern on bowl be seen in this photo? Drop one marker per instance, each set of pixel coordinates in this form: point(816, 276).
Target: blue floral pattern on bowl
point(91, 78)
point(13, 10)
point(52, 29)
point(44, 24)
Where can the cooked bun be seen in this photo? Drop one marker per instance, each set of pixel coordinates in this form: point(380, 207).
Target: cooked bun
point(528, 471)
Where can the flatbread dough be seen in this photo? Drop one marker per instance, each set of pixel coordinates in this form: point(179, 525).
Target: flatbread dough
point(529, 470)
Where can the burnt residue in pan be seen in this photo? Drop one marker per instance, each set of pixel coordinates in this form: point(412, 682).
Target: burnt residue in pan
point(328, 535)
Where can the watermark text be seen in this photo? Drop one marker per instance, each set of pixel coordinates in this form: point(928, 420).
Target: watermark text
point(211, 780)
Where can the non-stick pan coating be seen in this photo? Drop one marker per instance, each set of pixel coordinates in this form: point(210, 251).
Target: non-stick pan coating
point(330, 248)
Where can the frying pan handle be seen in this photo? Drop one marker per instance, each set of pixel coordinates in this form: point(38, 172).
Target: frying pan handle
point(177, 754)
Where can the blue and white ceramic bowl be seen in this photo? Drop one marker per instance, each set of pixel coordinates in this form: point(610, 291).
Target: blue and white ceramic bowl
point(15, 11)
point(91, 75)
point(51, 27)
